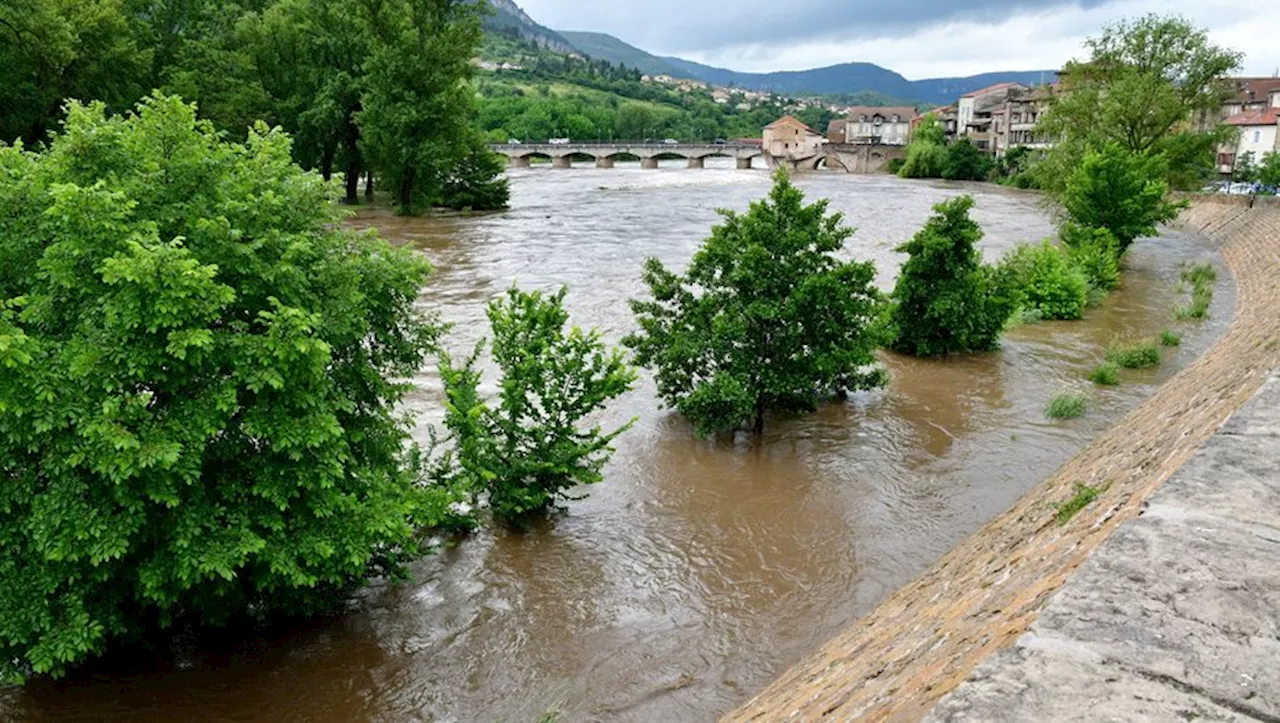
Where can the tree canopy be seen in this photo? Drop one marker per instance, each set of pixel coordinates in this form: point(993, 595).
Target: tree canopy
point(767, 318)
point(198, 410)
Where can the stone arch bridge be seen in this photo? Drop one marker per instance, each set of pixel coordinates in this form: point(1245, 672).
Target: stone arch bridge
point(846, 157)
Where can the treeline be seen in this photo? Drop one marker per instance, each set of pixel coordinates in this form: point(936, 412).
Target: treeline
point(550, 95)
point(371, 89)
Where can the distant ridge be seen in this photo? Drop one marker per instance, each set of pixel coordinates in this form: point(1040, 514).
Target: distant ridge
point(845, 78)
point(509, 18)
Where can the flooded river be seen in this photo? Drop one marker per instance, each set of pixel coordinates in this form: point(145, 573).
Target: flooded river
point(699, 570)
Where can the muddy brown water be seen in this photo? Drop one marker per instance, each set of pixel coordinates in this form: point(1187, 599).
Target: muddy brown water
point(699, 570)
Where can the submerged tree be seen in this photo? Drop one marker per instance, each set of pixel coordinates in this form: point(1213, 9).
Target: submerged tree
point(531, 449)
point(946, 300)
point(199, 404)
point(766, 319)
point(1120, 191)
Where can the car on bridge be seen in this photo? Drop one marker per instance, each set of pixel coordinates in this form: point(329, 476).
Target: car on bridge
point(670, 142)
point(559, 141)
point(513, 142)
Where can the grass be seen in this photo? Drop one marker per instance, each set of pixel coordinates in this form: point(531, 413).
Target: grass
point(1142, 354)
point(1067, 405)
point(1169, 337)
point(1201, 277)
point(1106, 374)
point(1084, 496)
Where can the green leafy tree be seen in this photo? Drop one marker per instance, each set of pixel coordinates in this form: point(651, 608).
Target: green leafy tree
point(767, 318)
point(531, 449)
point(966, 163)
point(1095, 252)
point(1269, 171)
point(1154, 86)
point(1121, 191)
point(1043, 280)
point(927, 152)
point(199, 404)
point(417, 100)
point(1245, 170)
point(946, 300)
point(476, 181)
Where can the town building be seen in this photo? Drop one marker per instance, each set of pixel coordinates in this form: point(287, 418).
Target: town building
point(890, 125)
point(947, 116)
point(790, 138)
point(1253, 94)
point(975, 113)
point(1259, 135)
point(1015, 124)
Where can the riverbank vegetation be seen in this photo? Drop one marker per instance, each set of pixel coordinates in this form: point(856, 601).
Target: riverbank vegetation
point(198, 412)
point(946, 300)
point(1201, 278)
point(367, 90)
point(1068, 405)
point(526, 453)
point(767, 318)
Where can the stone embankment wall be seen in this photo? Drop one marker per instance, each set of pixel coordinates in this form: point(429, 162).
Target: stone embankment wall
point(923, 641)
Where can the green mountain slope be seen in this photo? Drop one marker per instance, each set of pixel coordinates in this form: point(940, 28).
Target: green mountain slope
point(603, 46)
point(509, 19)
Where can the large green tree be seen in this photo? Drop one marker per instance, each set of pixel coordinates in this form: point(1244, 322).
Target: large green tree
point(767, 318)
point(200, 387)
point(417, 100)
point(1154, 86)
point(1121, 191)
point(946, 300)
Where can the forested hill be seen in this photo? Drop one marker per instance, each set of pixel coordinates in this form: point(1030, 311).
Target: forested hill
point(843, 78)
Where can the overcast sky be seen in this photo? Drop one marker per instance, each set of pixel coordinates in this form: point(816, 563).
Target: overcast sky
point(918, 38)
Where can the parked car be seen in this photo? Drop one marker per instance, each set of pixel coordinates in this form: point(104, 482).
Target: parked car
point(721, 142)
point(513, 142)
point(670, 142)
point(559, 141)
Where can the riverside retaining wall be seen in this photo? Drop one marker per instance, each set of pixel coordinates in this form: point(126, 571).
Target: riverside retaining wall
point(923, 641)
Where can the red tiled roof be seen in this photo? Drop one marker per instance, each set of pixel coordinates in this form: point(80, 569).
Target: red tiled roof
point(1260, 87)
point(1268, 117)
point(992, 89)
point(792, 119)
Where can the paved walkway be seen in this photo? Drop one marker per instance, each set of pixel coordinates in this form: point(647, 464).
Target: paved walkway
point(1176, 617)
point(926, 639)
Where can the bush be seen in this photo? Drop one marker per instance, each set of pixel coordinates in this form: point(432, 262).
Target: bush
point(1201, 277)
point(766, 318)
point(946, 300)
point(966, 163)
point(1095, 252)
point(1120, 191)
point(1106, 374)
point(895, 165)
point(476, 182)
point(1170, 338)
point(924, 160)
point(1067, 406)
point(1040, 277)
point(200, 412)
point(1134, 354)
point(530, 449)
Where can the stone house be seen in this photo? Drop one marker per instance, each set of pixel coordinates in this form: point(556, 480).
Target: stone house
point(974, 113)
point(889, 125)
point(1015, 124)
point(946, 115)
point(1253, 94)
point(1259, 135)
point(788, 137)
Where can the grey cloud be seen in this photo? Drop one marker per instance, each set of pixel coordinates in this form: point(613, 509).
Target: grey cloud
point(694, 26)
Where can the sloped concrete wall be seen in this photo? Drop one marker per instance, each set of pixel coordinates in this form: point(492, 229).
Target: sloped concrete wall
point(930, 636)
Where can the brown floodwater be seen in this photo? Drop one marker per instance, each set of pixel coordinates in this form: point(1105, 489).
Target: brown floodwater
point(699, 570)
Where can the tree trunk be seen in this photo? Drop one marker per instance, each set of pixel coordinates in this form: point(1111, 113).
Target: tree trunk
point(351, 145)
point(368, 187)
point(758, 427)
point(406, 191)
point(326, 161)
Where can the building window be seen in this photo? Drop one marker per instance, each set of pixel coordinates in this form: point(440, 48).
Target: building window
point(1257, 136)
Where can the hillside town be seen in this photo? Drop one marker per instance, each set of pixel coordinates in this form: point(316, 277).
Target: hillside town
point(1004, 116)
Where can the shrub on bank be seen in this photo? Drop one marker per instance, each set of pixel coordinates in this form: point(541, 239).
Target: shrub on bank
point(1095, 252)
point(1106, 374)
point(1142, 354)
point(1170, 338)
point(1067, 406)
point(1040, 277)
point(946, 300)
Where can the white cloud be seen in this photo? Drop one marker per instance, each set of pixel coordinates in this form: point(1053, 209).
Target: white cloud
point(1026, 40)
